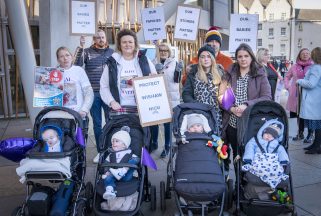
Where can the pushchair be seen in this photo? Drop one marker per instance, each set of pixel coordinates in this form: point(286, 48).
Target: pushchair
point(195, 172)
point(130, 194)
point(253, 196)
point(51, 189)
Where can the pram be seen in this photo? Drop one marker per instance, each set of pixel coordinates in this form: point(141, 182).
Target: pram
point(194, 172)
point(263, 204)
point(139, 188)
point(51, 191)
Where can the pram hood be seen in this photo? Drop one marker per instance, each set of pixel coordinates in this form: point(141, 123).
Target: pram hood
point(191, 108)
point(255, 116)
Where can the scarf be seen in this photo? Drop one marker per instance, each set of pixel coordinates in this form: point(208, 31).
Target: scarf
point(302, 67)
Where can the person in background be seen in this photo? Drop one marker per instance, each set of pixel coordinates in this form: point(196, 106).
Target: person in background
point(263, 57)
point(311, 100)
point(167, 65)
point(78, 93)
point(250, 85)
point(275, 64)
point(95, 58)
point(213, 38)
point(116, 89)
point(298, 71)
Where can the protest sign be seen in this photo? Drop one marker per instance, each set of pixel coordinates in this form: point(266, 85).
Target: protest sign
point(186, 25)
point(48, 87)
point(83, 17)
point(152, 100)
point(153, 23)
point(243, 29)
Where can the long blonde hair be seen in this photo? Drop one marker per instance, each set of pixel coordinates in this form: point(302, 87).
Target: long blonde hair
point(201, 75)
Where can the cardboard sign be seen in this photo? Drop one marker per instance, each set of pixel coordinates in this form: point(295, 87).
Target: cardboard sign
point(186, 25)
point(243, 29)
point(83, 17)
point(152, 100)
point(153, 23)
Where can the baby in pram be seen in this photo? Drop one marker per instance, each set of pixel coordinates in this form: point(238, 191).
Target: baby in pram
point(121, 153)
point(264, 156)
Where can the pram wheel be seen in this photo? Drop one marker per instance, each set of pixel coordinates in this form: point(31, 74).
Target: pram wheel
point(17, 211)
point(153, 198)
point(162, 196)
point(89, 194)
point(81, 208)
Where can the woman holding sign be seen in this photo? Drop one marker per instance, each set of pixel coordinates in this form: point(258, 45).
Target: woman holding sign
point(167, 65)
point(128, 62)
point(78, 93)
point(203, 80)
point(249, 83)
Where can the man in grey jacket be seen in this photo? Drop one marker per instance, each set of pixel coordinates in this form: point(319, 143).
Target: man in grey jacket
point(94, 59)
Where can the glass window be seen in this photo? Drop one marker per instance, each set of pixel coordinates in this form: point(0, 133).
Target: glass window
point(283, 31)
point(259, 42)
point(282, 48)
point(271, 31)
point(283, 15)
point(259, 27)
point(299, 42)
point(271, 16)
point(300, 26)
point(271, 48)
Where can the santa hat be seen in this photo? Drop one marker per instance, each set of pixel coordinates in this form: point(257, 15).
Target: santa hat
point(194, 119)
point(123, 135)
point(213, 34)
point(274, 130)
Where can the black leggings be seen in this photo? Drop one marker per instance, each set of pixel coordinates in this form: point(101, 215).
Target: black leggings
point(300, 121)
point(231, 139)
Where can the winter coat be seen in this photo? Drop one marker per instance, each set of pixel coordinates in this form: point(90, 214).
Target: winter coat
point(290, 84)
point(252, 147)
point(188, 88)
point(95, 61)
point(172, 87)
point(272, 77)
point(258, 89)
point(110, 79)
point(311, 89)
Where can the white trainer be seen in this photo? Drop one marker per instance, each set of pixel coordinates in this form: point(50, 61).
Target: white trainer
point(118, 173)
point(96, 159)
point(109, 193)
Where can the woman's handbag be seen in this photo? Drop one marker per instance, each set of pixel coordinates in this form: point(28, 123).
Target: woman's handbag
point(228, 98)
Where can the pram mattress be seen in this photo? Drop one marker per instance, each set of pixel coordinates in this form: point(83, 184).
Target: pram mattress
point(198, 175)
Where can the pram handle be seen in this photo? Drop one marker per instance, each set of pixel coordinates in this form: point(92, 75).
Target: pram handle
point(48, 155)
point(118, 165)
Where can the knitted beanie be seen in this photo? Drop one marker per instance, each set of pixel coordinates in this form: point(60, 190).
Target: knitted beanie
point(274, 130)
point(207, 48)
point(194, 119)
point(123, 135)
point(213, 34)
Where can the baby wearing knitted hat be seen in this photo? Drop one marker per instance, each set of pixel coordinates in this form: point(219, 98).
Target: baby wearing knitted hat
point(121, 153)
point(271, 132)
point(195, 124)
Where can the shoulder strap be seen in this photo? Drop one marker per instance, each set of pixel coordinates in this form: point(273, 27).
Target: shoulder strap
point(112, 157)
point(276, 149)
point(126, 158)
point(259, 145)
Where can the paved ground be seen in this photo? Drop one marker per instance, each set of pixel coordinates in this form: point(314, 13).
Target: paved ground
point(306, 173)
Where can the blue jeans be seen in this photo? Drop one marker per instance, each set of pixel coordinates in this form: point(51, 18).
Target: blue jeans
point(95, 112)
point(167, 130)
point(110, 179)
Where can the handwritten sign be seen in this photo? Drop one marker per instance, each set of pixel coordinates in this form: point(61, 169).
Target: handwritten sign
point(153, 23)
point(186, 26)
point(243, 29)
point(83, 17)
point(152, 100)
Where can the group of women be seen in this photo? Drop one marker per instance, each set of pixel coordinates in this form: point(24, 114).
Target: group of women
point(206, 83)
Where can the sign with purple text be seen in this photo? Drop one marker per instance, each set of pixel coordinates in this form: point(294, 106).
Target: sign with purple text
point(153, 23)
point(82, 17)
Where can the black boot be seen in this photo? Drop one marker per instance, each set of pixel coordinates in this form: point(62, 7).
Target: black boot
point(309, 147)
point(299, 136)
point(309, 138)
point(315, 147)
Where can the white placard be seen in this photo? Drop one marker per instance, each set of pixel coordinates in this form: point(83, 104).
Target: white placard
point(83, 17)
point(186, 25)
point(243, 29)
point(153, 23)
point(152, 100)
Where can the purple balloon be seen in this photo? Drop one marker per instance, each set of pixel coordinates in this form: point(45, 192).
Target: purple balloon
point(15, 149)
point(228, 98)
point(80, 137)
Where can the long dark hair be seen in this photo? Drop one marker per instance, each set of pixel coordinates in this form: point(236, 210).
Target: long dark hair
point(254, 66)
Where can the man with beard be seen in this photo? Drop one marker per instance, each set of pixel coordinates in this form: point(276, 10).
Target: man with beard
point(94, 59)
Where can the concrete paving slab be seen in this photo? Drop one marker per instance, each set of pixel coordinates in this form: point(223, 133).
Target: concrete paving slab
point(4, 123)
point(308, 198)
